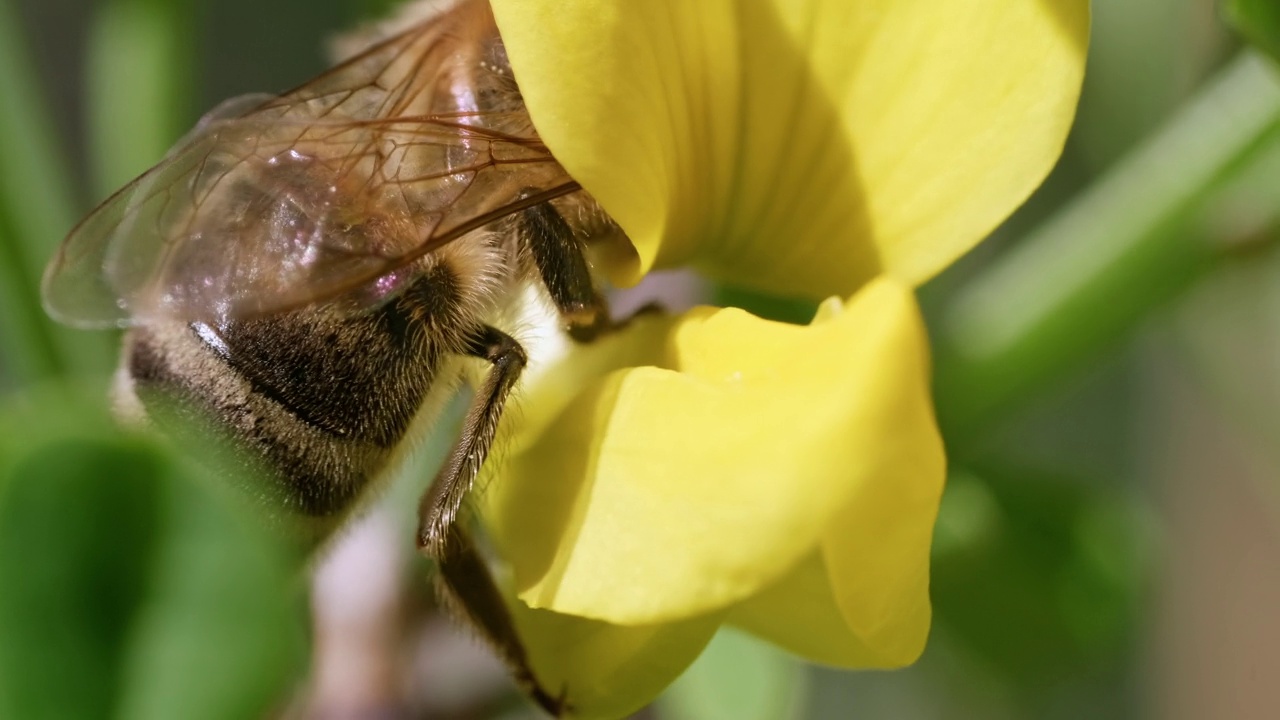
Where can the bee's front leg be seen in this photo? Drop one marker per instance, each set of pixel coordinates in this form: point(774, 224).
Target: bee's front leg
point(464, 580)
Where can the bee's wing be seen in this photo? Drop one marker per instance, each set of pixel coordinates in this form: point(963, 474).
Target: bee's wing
point(307, 196)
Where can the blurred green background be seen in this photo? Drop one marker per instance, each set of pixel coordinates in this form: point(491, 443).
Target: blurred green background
point(1108, 381)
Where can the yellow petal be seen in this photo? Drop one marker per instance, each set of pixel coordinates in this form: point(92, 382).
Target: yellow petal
point(800, 147)
point(799, 612)
point(973, 101)
point(558, 366)
point(609, 671)
point(862, 599)
point(663, 493)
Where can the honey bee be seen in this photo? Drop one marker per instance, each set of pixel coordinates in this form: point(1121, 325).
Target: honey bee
point(311, 271)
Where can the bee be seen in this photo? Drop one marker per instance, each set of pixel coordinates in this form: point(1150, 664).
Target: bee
point(313, 270)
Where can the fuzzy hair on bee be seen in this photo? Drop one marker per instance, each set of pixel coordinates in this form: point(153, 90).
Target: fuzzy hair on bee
point(309, 277)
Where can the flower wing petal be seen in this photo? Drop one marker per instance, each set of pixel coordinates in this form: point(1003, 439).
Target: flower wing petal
point(973, 101)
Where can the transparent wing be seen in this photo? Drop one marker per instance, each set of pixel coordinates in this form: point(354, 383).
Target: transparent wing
point(271, 204)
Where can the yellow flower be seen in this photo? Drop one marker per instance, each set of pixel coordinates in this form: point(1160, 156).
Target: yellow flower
point(721, 468)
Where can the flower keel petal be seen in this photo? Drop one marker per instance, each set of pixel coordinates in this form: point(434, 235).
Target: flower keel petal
point(662, 494)
point(609, 671)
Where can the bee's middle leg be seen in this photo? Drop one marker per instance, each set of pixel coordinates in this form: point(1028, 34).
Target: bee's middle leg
point(467, 586)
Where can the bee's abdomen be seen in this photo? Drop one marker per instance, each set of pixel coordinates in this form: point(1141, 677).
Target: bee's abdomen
point(316, 400)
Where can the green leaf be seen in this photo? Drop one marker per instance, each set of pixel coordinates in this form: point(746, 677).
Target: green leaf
point(1257, 20)
point(737, 677)
point(224, 630)
point(79, 523)
point(138, 86)
point(131, 586)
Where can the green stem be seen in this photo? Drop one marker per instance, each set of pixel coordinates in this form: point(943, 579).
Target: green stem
point(35, 212)
point(138, 75)
point(137, 78)
point(1092, 272)
point(1257, 20)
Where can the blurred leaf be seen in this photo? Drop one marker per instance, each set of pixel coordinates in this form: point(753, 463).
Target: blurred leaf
point(1039, 577)
point(224, 631)
point(129, 587)
point(78, 529)
point(1257, 20)
point(737, 677)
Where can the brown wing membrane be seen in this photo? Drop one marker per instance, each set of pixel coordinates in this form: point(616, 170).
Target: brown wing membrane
point(310, 195)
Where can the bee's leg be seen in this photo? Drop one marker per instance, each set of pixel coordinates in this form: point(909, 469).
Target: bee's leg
point(464, 578)
point(464, 582)
point(558, 254)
